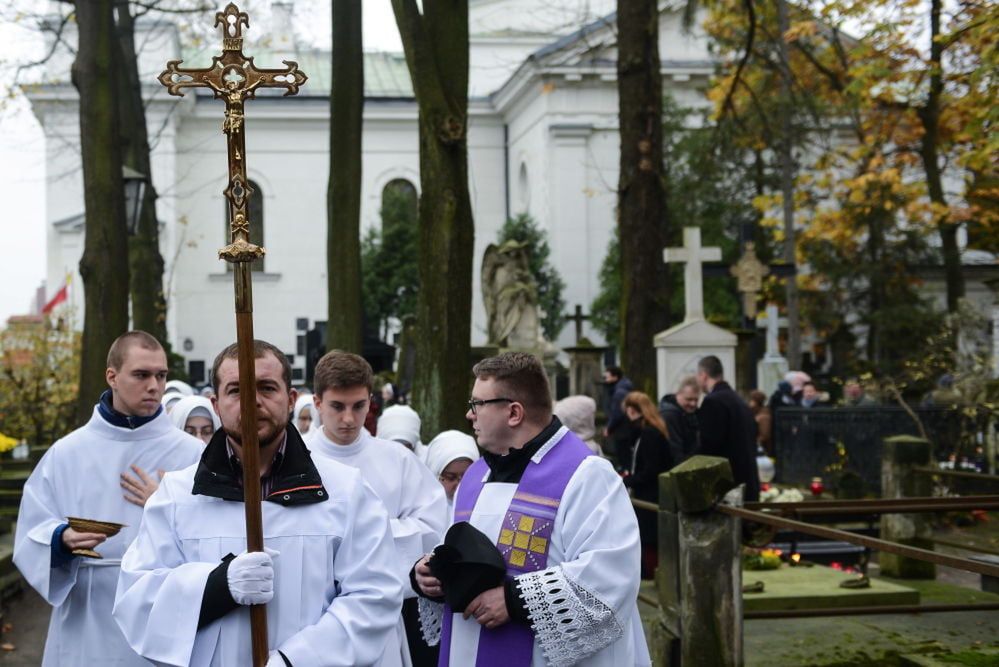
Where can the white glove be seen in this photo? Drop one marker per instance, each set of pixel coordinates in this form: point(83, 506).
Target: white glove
point(275, 660)
point(251, 577)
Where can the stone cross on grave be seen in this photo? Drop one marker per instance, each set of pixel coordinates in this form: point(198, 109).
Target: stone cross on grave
point(578, 318)
point(693, 255)
point(773, 325)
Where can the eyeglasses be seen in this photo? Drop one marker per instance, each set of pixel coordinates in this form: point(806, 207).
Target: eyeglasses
point(474, 403)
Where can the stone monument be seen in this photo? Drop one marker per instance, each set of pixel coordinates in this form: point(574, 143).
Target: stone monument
point(679, 348)
point(585, 361)
point(513, 315)
point(772, 368)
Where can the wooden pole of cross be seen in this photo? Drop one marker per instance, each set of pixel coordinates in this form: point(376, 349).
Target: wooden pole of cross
point(233, 78)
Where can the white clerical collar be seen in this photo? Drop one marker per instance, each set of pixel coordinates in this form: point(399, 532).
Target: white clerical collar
point(327, 446)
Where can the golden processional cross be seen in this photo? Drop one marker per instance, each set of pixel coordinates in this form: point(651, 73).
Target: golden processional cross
point(233, 78)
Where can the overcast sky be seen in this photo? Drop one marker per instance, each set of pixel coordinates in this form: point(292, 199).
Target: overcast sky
point(22, 157)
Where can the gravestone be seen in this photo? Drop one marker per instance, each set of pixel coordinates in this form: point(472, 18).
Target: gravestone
point(772, 368)
point(585, 367)
point(679, 348)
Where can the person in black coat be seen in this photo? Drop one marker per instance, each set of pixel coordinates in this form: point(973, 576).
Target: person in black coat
point(679, 411)
point(651, 458)
point(727, 426)
point(619, 434)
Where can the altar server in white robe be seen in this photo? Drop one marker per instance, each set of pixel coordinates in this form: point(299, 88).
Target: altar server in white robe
point(328, 577)
point(562, 521)
point(81, 476)
point(414, 499)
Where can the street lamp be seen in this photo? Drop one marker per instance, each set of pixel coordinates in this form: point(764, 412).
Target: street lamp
point(135, 193)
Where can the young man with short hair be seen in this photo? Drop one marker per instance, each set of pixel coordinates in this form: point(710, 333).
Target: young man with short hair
point(415, 501)
point(564, 526)
point(328, 576)
point(81, 475)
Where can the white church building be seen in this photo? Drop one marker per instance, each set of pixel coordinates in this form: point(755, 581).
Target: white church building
point(542, 140)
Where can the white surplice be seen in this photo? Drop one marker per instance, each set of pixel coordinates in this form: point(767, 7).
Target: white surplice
point(414, 499)
point(336, 590)
point(79, 476)
point(583, 606)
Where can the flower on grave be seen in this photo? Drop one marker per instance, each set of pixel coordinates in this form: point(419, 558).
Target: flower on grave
point(775, 494)
point(7, 443)
point(760, 559)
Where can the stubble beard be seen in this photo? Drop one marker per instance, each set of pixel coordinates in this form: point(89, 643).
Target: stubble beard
point(262, 442)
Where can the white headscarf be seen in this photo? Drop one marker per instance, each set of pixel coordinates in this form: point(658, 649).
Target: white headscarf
point(400, 422)
point(169, 400)
point(578, 413)
point(306, 402)
point(450, 446)
point(182, 410)
point(177, 386)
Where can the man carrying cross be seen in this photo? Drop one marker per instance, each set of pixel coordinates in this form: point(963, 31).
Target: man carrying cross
point(328, 577)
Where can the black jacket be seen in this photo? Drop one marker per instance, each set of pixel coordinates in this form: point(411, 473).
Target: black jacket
point(615, 413)
point(652, 457)
point(681, 428)
point(728, 429)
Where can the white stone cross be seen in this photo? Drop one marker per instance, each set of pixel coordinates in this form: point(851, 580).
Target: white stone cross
point(692, 254)
point(774, 323)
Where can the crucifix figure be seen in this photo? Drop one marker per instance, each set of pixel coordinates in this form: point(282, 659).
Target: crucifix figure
point(233, 78)
point(578, 318)
point(693, 255)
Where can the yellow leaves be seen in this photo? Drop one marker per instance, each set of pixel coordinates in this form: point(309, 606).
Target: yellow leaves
point(800, 29)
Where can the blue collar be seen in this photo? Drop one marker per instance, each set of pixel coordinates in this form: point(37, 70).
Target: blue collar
point(115, 418)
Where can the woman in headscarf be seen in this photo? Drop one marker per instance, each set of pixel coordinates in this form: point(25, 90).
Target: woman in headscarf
point(195, 415)
point(401, 423)
point(578, 414)
point(448, 456)
point(305, 416)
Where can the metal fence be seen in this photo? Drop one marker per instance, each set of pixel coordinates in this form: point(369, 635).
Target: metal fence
point(845, 443)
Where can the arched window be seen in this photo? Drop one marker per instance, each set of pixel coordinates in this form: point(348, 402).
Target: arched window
point(256, 211)
point(399, 204)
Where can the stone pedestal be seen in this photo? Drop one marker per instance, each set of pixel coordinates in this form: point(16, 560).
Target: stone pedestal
point(900, 454)
point(586, 371)
point(679, 348)
point(699, 578)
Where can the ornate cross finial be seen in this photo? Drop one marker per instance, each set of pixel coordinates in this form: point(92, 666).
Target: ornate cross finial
point(749, 273)
point(233, 78)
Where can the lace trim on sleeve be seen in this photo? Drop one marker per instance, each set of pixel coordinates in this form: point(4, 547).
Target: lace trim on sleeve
point(431, 615)
point(569, 622)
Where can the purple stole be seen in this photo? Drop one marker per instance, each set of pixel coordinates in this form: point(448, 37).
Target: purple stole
point(524, 540)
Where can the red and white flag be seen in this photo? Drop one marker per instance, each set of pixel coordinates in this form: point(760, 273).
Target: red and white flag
point(60, 296)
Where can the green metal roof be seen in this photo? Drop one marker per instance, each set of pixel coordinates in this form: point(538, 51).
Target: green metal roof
point(385, 74)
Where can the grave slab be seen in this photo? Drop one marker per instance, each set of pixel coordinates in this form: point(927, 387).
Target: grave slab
point(817, 587)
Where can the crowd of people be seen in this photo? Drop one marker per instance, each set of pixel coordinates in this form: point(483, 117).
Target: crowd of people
point(516, 545)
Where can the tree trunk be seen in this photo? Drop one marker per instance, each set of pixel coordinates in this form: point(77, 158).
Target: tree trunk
point(145, 260)
point(104, 265)
point(787, 192)
point(929, 116)
point(343, 202)
point(436, 46)
point(642, 218)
